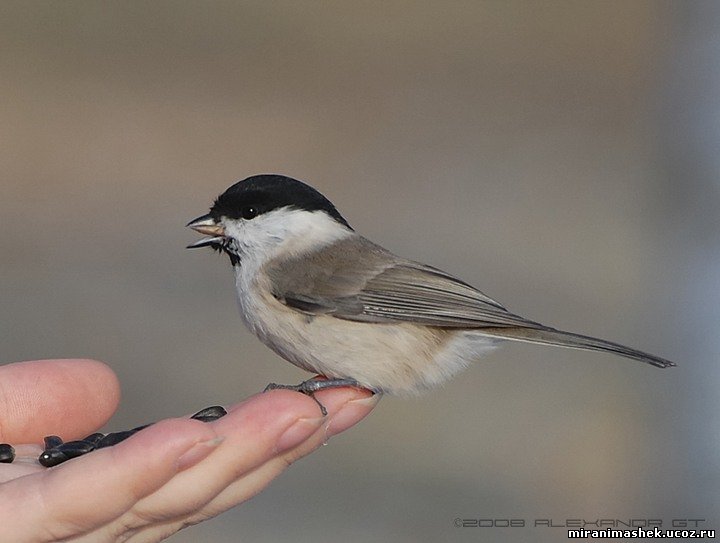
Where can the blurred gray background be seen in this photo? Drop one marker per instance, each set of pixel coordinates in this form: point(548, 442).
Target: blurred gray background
point(561, 156)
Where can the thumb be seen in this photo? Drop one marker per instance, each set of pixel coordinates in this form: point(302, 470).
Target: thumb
point(70, 398)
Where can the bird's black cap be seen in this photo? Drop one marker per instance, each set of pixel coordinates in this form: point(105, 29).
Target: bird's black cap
point(266, 192)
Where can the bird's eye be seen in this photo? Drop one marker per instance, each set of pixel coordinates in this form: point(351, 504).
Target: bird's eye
point(249, 212)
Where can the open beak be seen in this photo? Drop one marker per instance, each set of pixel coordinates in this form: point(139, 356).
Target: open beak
point(206, 225)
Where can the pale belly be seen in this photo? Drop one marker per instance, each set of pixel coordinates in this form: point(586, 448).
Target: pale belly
point(401, 358)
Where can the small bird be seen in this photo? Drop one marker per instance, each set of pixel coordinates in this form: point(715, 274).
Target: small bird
point(334, 303)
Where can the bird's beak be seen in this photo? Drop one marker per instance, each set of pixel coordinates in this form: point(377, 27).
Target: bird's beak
point(206, 225)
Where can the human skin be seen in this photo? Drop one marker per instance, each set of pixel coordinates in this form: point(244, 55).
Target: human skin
point(175, 473)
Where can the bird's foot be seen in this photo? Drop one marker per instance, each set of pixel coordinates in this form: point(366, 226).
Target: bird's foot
point(311, 386)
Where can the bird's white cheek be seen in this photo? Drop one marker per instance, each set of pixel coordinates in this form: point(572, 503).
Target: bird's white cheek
point(242, 237)
point(284, 231)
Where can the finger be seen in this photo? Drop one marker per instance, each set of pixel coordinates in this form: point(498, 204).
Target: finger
point(70, 398)
point(25, 463)
point(263, 431)
point(345, 409)
point(87, 493)
point(253, 430)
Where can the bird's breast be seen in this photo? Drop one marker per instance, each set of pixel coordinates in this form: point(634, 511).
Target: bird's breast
point(401, 358)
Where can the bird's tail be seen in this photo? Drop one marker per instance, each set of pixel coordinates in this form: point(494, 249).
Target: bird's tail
point(550, 336)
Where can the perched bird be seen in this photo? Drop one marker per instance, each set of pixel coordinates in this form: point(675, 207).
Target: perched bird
point(332, 302)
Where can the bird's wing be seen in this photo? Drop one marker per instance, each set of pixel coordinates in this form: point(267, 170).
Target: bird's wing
point(354, 279)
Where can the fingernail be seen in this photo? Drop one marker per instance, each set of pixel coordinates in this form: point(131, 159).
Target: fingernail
point(370, 401)
point(349, 412)
point(198, 452)
point(298, 432)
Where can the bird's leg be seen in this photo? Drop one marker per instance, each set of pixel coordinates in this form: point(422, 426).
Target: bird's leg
point(311, 386)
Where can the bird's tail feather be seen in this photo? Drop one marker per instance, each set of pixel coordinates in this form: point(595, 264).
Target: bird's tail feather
point(550, 336)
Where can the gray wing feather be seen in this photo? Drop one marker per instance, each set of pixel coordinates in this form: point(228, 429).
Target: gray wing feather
point(354, 279)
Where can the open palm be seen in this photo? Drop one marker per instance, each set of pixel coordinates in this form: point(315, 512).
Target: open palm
point(173, 474)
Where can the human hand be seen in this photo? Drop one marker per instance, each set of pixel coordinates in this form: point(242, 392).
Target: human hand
point(173, 474)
